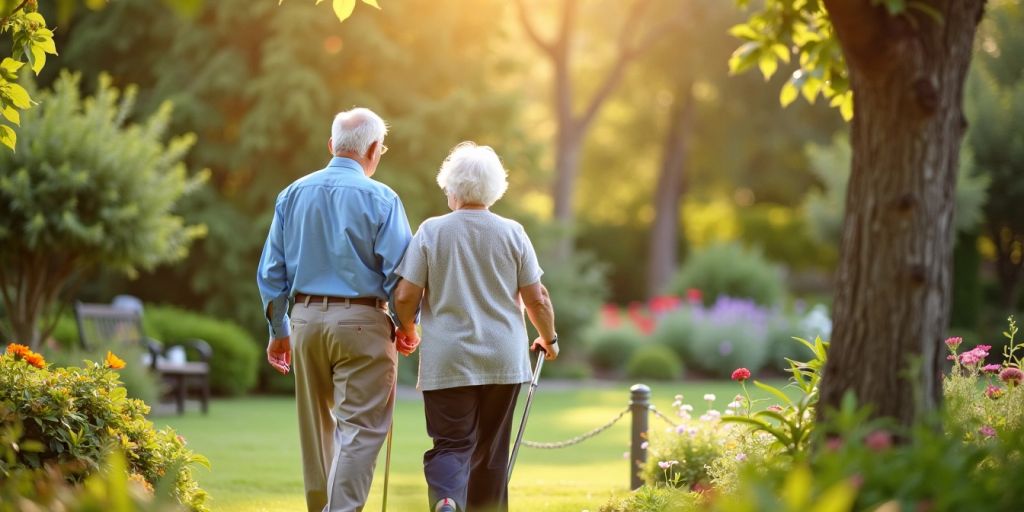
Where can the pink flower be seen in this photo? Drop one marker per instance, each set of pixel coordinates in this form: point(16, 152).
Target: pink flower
point(1011, 376)
point(987, 431)
point(991, 368)
point(775, 408)
point(993, 392)
point(878, 440)
point(975, 355)
point(693, 295)
point(954, 342)
point(665, 464)
point(740, 374)
point(834, 444)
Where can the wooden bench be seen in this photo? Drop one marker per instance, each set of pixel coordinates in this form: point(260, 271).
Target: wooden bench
point(106, 325)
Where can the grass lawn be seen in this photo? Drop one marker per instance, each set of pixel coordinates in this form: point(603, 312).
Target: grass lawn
point(253, 446)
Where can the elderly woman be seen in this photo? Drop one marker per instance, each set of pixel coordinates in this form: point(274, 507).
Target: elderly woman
point(475, 272)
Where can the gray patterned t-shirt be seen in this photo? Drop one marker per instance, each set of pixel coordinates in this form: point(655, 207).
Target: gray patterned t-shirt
point(472, 264)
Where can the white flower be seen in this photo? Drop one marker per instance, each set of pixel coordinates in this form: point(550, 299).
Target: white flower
point(734, 405)
point(686, 408)
point(665, 464)
point(709, 397)
point(625, 455)
point(644, 445)
point(679, 398)
point(740, 457)
point(729, 412)
point(677, 403)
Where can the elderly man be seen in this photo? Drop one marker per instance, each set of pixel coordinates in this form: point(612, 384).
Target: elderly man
point(335, 241)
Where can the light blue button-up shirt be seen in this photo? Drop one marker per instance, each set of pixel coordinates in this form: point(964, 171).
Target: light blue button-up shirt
point(335, 232)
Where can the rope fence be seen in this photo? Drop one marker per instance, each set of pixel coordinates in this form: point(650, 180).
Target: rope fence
point(640, 407)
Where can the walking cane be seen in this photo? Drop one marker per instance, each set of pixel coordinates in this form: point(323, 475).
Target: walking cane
point(391, 432)
point(526, 413)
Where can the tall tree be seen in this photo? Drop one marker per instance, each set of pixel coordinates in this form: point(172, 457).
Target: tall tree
point(636, 35)
point(906, 63)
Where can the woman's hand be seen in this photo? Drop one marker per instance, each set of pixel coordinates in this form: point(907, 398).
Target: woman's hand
point(550, 349)
point(406, 340)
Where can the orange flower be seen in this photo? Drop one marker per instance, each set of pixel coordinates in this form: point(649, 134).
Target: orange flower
point(18, 350)
point(25, 354)
point(113, 361)
point(35, 359)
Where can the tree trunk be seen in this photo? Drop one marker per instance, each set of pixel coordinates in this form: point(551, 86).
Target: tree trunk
point(669, 193)
point(567, 164)
point(893, 282)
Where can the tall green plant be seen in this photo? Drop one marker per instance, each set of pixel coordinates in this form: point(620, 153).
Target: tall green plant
point(84, 189)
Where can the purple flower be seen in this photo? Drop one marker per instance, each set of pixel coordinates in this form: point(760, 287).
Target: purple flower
point(665, 464)
point(987, 431)
point(1011, 376)
point(991, 368)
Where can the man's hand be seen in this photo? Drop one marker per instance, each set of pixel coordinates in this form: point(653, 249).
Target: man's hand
point(279, 354)
point(406, 340)
point(550, 349)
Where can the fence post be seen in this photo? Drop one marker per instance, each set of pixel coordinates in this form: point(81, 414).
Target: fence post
point(639, 405)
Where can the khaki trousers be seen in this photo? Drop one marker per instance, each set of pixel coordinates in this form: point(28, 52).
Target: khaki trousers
point(344, 363)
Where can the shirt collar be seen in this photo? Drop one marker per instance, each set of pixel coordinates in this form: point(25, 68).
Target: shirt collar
point(340, 162)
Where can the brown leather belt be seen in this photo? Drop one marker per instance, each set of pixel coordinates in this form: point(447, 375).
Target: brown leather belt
point(320, 299)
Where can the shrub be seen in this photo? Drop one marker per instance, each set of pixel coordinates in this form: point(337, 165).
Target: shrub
point(730, 270)
point(654, 362)
point(680, 458)
point(563, 368)
point(72, 416)
point(233, 367)
point(611, 348)
point(656, 499)
point(675, 330)
point(730, 334)
point(137, 378)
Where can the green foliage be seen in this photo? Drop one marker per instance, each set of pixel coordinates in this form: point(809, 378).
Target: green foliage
point(233, 367)
point(730, 270)
point(675, 330)
point(831, 164)
point(31, 41)
point(84, 189)
point(610, 349)
point(75, 415)
point(577, 287)
point(773, 28)
point(681, 458)
point(655, 499)
point(720, 346)
point(994, 105)
point(655, 362)
point(136, 377)
point(791, 423)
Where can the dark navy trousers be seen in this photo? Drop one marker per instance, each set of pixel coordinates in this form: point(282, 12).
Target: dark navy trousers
point(471, 427)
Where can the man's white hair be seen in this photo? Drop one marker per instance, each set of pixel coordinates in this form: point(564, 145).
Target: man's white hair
point(354, 130)
point(473, 174)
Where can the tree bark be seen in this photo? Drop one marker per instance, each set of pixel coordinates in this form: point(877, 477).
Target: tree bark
point(669, 194)
point(893, 284)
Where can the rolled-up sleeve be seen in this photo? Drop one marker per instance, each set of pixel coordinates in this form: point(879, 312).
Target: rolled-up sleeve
point(272, 278)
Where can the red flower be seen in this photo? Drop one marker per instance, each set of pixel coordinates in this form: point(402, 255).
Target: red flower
point(693, 295)
point(740, 374)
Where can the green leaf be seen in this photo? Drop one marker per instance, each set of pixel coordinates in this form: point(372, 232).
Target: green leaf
point(744, 31)
point(343, 8)
point(781, 52)
point(10, 67)
point(775, 391)
point(36, 18)
point(372, 3)
point(18, 95)
point(788, 93)
point(12, 115)
point(743, 57)
point(38, 59)
point(810, 90)
point(767, 63)
point(796, 490)
point(8, 136)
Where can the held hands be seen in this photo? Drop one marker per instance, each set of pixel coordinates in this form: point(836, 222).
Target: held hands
point(406, 340)
point(279, 354)
point(550, 349)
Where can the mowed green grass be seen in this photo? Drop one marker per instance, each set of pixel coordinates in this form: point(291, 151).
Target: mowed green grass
point(253, 447)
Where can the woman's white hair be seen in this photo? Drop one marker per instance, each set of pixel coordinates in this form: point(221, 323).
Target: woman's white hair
point(354, 130)
point(473, 174)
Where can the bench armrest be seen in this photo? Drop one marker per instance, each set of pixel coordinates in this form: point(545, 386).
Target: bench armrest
point(155, 349)
point(201, 346)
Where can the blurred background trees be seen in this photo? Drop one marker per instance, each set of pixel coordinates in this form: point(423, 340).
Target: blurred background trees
point(676, 157)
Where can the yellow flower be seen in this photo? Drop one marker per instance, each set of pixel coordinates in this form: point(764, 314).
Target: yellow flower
point(113, 361)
